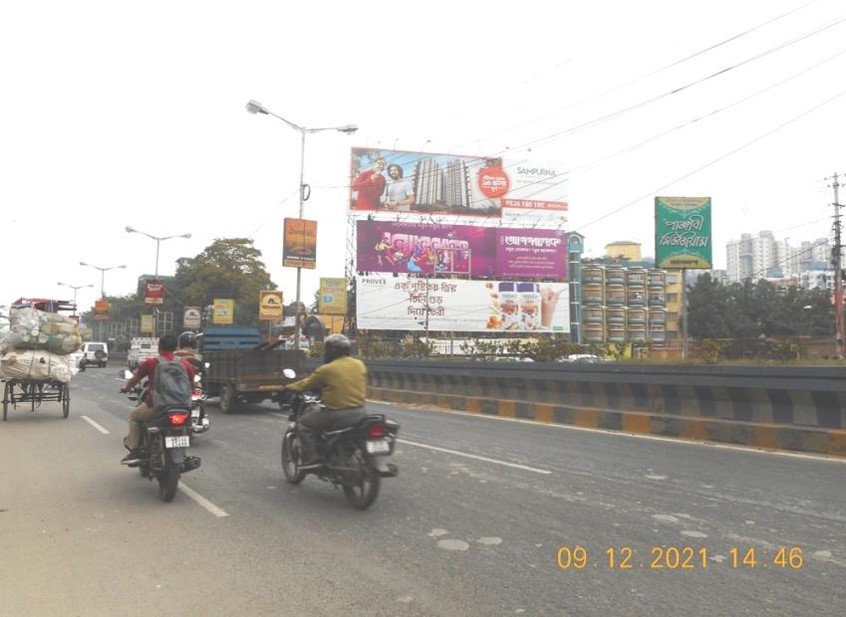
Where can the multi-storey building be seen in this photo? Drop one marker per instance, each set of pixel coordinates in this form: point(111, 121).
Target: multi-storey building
point(762, 256)
point(626, 303)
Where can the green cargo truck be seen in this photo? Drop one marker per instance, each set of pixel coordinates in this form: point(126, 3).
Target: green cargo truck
point(244, 370)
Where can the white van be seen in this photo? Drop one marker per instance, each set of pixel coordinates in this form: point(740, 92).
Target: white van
point(94, 354)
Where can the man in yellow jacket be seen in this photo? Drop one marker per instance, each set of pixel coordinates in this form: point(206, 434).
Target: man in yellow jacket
point(342, 381)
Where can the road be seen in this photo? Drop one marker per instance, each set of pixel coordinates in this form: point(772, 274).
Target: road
point(487, 517)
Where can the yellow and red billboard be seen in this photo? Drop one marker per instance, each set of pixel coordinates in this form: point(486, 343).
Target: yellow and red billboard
point(270, 305)
point(101, 309)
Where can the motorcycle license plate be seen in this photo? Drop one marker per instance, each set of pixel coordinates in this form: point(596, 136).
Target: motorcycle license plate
point(195, 413)
point(378, 446)
point(183, 441)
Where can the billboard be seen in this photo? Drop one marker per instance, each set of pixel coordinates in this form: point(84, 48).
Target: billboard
point(332, 298)
point(299, 244)
point(270, 305)
point(398, 247)
point(153, 292)
point(426, 183)
point(223, 311)
point(101, 309)
point(457, 305)
point(683, 233)
point(192, 317)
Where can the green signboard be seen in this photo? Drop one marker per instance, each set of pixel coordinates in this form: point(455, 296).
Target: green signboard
point(683, 233)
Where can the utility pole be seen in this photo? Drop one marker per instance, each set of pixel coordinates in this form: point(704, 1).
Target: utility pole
point(836, 263)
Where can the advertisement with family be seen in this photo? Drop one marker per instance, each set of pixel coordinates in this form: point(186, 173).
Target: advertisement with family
point(457, 305)
point(426, 183)
point(398, 247)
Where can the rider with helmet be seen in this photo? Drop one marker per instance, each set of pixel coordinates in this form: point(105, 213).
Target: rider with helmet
point(187, 351)
point(342, 381)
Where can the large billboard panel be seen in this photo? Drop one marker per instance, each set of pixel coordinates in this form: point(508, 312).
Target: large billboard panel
point(457, 305)
point(399, 247)
point(426, 183)
point(683, 233)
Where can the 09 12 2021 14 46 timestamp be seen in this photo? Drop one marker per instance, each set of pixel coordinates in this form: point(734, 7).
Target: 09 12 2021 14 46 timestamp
point(668, 557)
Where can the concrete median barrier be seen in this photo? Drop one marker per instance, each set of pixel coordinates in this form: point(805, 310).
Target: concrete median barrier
point(788, 408)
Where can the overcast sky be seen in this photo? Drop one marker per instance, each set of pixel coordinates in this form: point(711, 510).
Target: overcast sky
point(117, 114)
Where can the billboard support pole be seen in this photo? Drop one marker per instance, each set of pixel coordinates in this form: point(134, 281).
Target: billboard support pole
point(684, 313)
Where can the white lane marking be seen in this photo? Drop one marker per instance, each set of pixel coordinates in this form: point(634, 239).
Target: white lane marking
point(202, 500)
point(674, 440)
point(475, 456)
point(95, 425)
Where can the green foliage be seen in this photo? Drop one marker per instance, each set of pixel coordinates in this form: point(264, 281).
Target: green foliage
point(751, 315)
point(711, 350)
point(408, 347)
point(228, 268)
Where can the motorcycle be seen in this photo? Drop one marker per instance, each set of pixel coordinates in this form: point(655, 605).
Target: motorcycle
point(199, 419)
point(164, 442)
point(354, 456)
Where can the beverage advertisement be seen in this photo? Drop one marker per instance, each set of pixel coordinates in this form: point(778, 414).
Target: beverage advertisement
point(457, 305)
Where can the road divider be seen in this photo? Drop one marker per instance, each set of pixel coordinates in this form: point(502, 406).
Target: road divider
point(786, 408)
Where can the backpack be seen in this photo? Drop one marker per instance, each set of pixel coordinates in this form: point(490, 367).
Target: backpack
point(171, 385)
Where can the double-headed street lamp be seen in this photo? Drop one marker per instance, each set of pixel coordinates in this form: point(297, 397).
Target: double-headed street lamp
point(102, 275)
point(254, 107)
point(158, 240)
point(75, 289)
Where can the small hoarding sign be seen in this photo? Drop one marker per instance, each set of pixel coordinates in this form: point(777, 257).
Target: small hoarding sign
point(192, 317)
point(270, 305)
point(299, 244)
point(223, 313)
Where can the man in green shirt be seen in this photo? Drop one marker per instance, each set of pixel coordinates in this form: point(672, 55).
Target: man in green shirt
point(342, 381)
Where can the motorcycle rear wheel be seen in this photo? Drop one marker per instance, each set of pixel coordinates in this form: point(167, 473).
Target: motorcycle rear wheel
point(291, 449)
point(168, 481)
point(365, 490)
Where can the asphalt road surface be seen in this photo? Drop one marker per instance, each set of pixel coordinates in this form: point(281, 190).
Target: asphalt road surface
point(487, 517)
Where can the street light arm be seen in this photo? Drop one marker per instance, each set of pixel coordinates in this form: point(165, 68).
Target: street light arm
point(152, 237)
point(296, 127)
point(347, 128)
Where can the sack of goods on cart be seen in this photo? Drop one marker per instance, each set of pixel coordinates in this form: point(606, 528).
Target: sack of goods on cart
point(37, 346)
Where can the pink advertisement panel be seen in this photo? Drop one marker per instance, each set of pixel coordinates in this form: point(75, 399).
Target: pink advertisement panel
point(398, 247)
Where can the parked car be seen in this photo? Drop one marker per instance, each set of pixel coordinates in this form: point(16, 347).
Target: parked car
point(582, 358)
point(94, 354)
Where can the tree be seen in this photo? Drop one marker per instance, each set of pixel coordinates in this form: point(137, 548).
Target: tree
point(707, 308)
point(228, 268)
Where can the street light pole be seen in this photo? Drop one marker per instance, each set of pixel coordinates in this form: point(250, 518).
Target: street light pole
point(254, 107)
point(158, 240)
point(102, 275)
point(75, 289)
